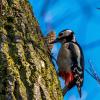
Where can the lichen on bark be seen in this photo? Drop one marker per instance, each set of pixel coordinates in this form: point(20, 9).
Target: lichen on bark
point(26, 71)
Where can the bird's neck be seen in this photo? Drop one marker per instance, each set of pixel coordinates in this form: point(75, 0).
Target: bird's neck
point(62, 43)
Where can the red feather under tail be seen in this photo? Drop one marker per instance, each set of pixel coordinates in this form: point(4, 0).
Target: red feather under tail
point(67, 76)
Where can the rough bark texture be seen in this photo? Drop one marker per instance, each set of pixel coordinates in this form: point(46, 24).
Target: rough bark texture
point(26, 72)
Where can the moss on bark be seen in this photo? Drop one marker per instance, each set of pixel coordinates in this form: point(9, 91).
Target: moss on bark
point(26, 71)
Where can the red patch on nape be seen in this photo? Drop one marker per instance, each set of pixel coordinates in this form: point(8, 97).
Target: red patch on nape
point(67, 76)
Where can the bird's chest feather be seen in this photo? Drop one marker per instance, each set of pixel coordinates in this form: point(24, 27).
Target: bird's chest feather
point(64, 58)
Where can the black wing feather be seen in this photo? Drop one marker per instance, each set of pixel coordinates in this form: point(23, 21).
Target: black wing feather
point(76, 69)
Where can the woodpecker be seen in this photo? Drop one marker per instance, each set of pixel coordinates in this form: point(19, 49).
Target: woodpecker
point(70, 61)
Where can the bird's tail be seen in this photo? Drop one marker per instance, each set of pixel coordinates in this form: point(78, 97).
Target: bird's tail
point(79, 90)
point(67, 88)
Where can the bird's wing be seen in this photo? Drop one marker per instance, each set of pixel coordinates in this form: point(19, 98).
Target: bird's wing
point(76, 56)
point(78, 64)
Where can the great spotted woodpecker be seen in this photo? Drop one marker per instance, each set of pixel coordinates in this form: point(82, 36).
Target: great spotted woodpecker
point(70, 60)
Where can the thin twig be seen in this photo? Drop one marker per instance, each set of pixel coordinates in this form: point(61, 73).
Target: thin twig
point(93, 73)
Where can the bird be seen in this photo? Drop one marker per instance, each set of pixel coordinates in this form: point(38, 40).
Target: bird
point(70, 61)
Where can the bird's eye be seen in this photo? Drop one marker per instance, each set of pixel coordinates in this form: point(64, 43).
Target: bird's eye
point(60, 34)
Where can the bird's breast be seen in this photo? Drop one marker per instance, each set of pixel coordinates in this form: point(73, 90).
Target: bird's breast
point(64, 58)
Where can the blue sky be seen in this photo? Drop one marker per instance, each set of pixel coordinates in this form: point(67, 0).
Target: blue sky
point(84, 19)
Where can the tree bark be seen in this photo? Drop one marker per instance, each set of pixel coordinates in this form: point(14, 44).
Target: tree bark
point(26, 71)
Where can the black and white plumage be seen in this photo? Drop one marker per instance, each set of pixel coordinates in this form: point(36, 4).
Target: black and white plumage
point(70, 60)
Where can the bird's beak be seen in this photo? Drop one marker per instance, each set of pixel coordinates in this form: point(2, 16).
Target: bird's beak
point(55, 41)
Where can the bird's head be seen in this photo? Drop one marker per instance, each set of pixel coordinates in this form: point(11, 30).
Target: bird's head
point(65, 36)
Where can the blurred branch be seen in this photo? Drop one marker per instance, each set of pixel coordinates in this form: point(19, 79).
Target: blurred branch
point(98, 8)
point(44, 8)
point(46, 5)
point(68, 18)
point(93, 73)
point(91, 45)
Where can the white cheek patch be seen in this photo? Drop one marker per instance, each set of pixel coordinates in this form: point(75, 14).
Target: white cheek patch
point(74, 40)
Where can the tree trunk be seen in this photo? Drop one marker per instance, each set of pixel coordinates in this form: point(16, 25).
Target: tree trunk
point(26, 71)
